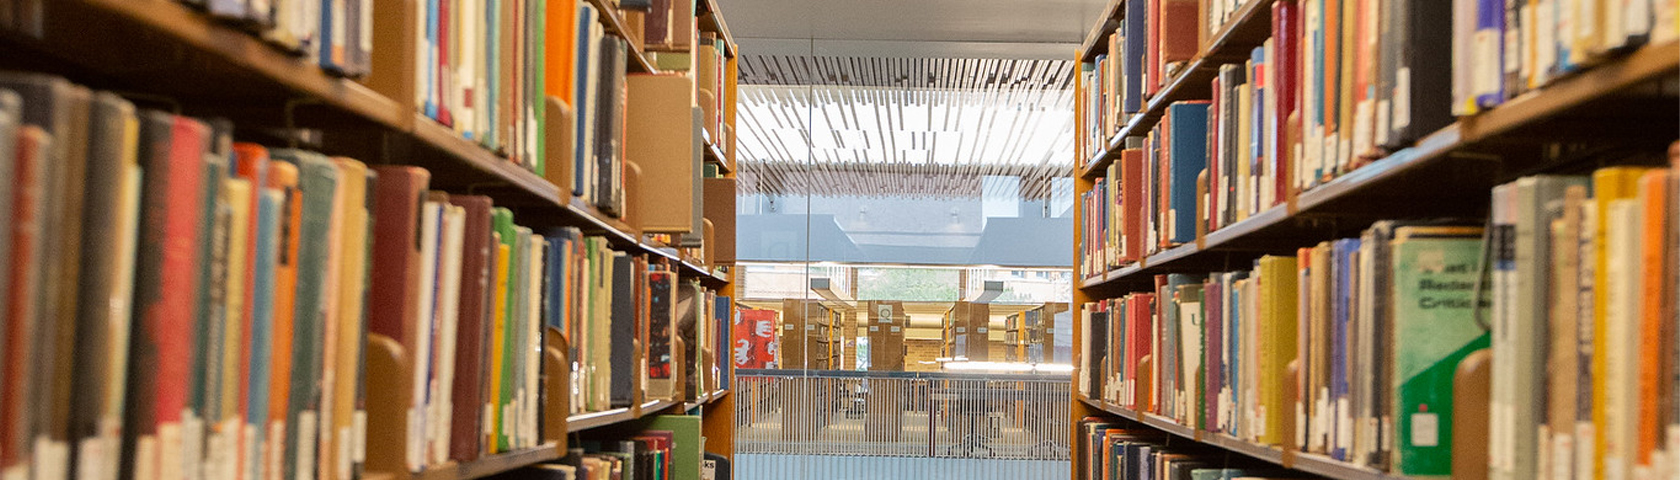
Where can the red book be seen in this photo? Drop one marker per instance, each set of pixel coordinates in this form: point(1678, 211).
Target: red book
point(1286, 24)
point(1215, 123)
point(445, 90)
point(465, 439)
point(394, 292)
point(1179, 35)
point(1140, 319)
point(1152, 60)
point(1131, 206)
point(26, 219)
point(166, 288)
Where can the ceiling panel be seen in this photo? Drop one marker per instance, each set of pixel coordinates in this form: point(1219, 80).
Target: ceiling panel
point(971, 25)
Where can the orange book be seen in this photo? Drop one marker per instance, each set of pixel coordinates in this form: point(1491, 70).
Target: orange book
point(284, 177)
point(1653, 193)
point(561, 56)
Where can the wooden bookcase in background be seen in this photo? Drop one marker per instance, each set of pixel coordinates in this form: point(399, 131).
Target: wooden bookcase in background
point(168, 55)
point(1461, 163)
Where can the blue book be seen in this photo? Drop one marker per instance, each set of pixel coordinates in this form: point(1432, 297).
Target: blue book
point(428, 62)
point(492, 71)
point(1345, 254)
point(269, 207)
point(1136, 31)
point(588, 36)
point(1488, 54)
point(1186, 157)
point(724, 317)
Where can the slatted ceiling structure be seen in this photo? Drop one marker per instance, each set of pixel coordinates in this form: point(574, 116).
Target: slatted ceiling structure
point(937, 73)
point(902, 127)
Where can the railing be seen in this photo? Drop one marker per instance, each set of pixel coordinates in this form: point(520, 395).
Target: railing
point(901, 414)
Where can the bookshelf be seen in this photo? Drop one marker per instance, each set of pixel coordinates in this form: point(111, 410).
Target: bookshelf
point(165, 54)
point(1453, 158)
point(1447, 173)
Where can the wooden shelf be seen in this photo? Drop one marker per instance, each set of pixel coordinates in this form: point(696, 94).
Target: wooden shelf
point(711, 20)
point(1459, 163)
point(503, 462)
point(585, 421)
point(1248, 28)
point(483, 467)
point(614, 23)
point(1305, 462)
point(1088, 49)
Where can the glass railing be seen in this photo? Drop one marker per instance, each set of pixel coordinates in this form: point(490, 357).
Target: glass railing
point(902, 414)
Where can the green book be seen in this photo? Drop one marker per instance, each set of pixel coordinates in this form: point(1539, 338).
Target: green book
point(687, 444)
point(1435, 273)
point(318, 184)
point(501, 221)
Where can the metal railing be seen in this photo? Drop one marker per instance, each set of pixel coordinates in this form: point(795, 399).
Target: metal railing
point(901, 414)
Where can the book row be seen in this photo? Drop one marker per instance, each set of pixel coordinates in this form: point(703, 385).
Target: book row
point(1113, 451)
point(1339, 83)
point(641, 332)
point(1351, 348)
point(668, 449)
point(540, 83)
point(181, 305)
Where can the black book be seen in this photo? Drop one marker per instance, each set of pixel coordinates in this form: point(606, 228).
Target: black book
point(622, 350)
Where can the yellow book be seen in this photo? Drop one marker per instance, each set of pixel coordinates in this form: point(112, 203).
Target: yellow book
point(497, 336)
point(237, 195)
point(1609, 185)
point(1277, 330)
point(348, 419)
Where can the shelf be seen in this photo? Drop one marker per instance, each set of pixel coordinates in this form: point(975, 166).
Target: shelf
point(715, 156)
point(614, 23)
point(1459, 163)
point(711, 20)
point(1249, 27)
point(503, 462)
point(1305, 462)
point(1093, 40)
point(461, 150)
point(483, 467)
point(585, 421)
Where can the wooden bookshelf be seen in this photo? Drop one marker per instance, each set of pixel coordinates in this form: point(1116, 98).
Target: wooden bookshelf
point(711, 20)
point(1093, 44)
point(1305, 462)
point(615, 25)
point(1458, 161)
point(164, 54)
point(1248, 28)
point(1609, 103)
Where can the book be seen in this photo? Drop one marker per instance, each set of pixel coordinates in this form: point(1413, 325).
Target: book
point(394, 294)
point(472, 324)
point(318, 184)
point(110, 230)
point(1434, 271)
point(166, 291)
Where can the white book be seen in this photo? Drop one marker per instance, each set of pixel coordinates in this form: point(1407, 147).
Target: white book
point(1622, 339)
point(534, 334)
point(448, 313)
point(466, 68)
point(420, 432)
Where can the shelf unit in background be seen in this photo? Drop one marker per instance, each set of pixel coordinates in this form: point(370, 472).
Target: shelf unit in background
point(180, 59)
point(1456, 165)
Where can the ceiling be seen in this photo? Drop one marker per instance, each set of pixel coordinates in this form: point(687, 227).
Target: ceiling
point(1044, 29)
point(905, 98)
